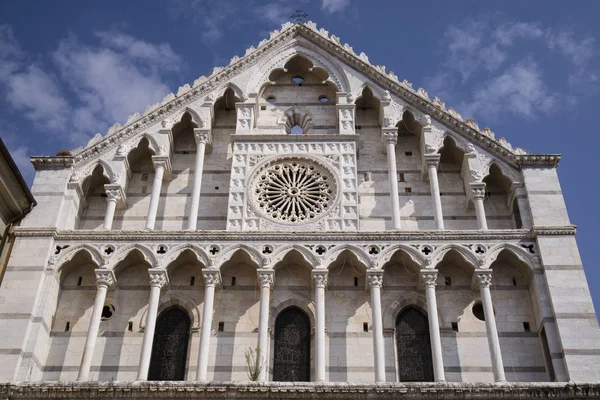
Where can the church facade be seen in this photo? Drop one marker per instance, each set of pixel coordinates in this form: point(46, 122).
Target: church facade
point(300, 215)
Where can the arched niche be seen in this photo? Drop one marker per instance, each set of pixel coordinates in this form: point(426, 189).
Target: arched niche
point(415, 214)
point(499, 213)
point(183, 135)
point(68, 308)
point(93, 204)
point(224, 110)
point(139, 187)
point(305, 86)
point(367, 112)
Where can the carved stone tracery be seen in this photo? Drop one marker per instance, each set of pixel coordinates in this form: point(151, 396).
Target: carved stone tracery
point(293, 191)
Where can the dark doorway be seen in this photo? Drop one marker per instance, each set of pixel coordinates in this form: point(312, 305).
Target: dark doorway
point(292, 346)
point(414, 347)
point(170, 346)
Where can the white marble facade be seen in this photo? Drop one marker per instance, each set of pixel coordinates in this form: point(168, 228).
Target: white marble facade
point(298, 175)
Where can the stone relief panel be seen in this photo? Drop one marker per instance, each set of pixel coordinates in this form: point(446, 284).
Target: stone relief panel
point(293, 186)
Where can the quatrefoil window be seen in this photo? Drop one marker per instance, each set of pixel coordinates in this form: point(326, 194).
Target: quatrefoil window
point(293, 190)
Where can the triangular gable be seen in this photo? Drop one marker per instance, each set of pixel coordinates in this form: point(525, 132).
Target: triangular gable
point(203, 86)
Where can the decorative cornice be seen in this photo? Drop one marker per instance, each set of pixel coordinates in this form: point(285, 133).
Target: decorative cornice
point(52, 162)
point(262, 236)
point(300, 390)
point(538, 160)
point(333, 45)
point(293, 138)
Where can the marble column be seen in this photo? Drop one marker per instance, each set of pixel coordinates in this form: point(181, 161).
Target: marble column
point(390, 137)
point(202, 139)
point(212, 278)
point(113, 196)
point(320, 280)
point(159, 171)
point(265, 280)
point(484, 280)
point(158, 280)
point(104, 280)
point(429, 279)
point(375, 279)
point(478, 193)
point(432, 161)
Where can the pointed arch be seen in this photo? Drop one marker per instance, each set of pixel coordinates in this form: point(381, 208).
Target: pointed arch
point(239, 93)
point(88, 170)
point(70, 253)
point(458, 142)
point(375, 90)
point(292, 299)
point(170, 298)
point(152, 143)
point(282, 251)
point(415, 255)
point(253, 253)
point(465, 253)
point(336, 75)
point(360, 254)
point(412, 299)
point(124, 251)
point(506, 173)
point(178, 117)
point(176, 251)
point(519, 252)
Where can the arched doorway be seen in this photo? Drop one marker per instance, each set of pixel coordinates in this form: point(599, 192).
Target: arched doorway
point(170, 346)
point(414, 347)
point(292, 346)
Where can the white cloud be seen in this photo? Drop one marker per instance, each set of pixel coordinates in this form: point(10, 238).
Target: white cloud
point(10, 52)
point(38, 96)
point(506, 34)
point(519, 90)
point(114, 80)
point(94, 85)
point(507, 68)
point(333, 6)
point(275, 12)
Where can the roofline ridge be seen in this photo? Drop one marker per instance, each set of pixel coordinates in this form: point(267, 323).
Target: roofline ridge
point(186, 93)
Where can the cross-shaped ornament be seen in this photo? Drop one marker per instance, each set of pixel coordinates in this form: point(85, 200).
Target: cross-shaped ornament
point(299, 15)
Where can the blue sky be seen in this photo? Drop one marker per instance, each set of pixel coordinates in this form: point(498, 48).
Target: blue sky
point(530, 70)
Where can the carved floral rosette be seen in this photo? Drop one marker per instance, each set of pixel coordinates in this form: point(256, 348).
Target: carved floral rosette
point(293, 186)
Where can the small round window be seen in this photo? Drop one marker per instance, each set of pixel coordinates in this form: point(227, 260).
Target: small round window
point(107, 312)
point(298, 79)
point(478, 311)
point(323, 99)
point(271, 99)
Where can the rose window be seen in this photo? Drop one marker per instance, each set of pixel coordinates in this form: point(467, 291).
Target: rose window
point(293, 190)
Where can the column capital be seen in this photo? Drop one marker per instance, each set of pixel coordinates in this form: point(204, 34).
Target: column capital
point(320, 277)
point(429, 277)
point(212, 276)
point(115, 192)
point(432, 160)
point(389, 135)
point(158, 277)
point(162, 161)
point(266, 277)
point(483, 277)
point(203, 135)
point(375, 278)
point(477, 190)
point(105, 278)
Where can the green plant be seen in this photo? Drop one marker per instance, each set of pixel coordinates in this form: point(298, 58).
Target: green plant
point(253, 363)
